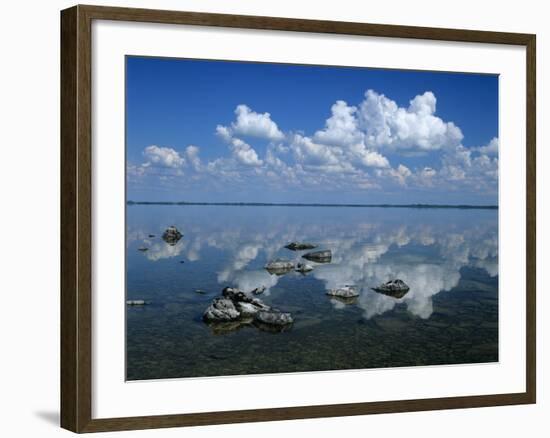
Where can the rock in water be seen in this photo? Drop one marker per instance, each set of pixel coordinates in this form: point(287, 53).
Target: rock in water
point(303, 268)
point(258, 291)
point(247, 309)
point(172, 235)
point(394, 288)
point(344, 292)
point(221, 309)
point(298, 246)
point(244, 302)
point(279, 266)
point(324, 256)
point(274, 318)
point(237, 295)
point(223, 328)
point(345, 301)
point(238, 306)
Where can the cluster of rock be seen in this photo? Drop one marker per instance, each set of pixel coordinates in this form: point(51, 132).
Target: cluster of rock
point(394, 288)
point(171, 235)
point(283, 266)
point(348, 294)
point(237, 306)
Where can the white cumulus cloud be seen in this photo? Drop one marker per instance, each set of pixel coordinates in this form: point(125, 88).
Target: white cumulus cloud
point(306, 151)
point(351, 150)
point(386, 125)
point(341, 128)
point(401, 173)
point(192, 156)
point(491, 148)
point(163, 156)
point(244, 153)
point(253, 124)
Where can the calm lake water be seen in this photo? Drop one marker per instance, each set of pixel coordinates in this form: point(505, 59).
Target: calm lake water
point(448, 257)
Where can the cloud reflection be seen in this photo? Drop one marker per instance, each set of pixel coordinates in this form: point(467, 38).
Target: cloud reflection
point(366, 253)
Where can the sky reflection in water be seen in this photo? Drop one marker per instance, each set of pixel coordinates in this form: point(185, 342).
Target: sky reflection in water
point(431, 250)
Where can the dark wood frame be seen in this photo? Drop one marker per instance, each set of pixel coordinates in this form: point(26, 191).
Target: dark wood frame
point(76, 218)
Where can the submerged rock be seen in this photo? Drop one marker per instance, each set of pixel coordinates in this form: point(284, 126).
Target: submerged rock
point(303, 268)
point(324, 256)
point(271, 328)
point(274, 318)
point(223, 328)
point(172, 235)
point(298, 246)
point(394, 288)
point(344, 292)
point(221, 309)
point(344, 300)
point(136, 302)
point(279, 266)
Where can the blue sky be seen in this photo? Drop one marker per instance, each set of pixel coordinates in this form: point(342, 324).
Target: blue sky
point(236, 131)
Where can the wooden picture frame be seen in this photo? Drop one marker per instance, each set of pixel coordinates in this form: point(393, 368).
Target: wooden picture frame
point(76, 217)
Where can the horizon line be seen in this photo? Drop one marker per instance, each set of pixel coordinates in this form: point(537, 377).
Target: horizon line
point(314, 204)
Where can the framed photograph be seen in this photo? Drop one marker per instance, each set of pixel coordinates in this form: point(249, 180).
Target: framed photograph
point(270, 218)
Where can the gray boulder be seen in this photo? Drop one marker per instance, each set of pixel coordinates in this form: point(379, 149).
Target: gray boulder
point(221, 310)
point(345, 301)
point(279, 266)
point(238, 296)
point(171, 235)
point(303, 268)
point(274, 318)
point(245, 303)
point(299, 246)
point(394, 288)
point(249, 309)
point(243, 308)
point(344, 292)
point(324, 256)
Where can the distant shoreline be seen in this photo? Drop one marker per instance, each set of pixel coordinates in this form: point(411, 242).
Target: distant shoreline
point(290, 204)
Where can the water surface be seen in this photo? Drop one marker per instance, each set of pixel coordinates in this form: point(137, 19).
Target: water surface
point(448, 257)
